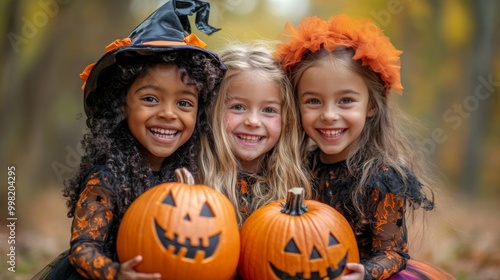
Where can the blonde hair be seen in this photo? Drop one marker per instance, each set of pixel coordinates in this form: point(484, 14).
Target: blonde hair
point(282, 167)
point(388, 138)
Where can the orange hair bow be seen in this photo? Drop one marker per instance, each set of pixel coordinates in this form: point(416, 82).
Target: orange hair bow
point(370, 45)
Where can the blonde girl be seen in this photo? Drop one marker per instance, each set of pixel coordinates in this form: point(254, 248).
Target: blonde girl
point(253, 154)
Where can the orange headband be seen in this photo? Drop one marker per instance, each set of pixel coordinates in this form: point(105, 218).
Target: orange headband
point(368, 41)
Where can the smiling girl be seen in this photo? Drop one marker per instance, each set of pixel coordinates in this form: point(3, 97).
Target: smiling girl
point(365, 164)
point(145, 102)
point(253, 154)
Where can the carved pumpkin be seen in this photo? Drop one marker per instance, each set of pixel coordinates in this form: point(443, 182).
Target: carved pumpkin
point(182, 231)
point(296, 240)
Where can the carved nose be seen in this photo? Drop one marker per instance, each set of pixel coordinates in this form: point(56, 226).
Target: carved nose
point(315, 254)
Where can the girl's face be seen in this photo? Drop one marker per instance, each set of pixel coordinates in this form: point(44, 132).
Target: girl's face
point(333, 104)
point(252, 117)
point(161, 112)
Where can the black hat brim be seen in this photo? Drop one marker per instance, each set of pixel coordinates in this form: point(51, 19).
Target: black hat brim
point(112, 57)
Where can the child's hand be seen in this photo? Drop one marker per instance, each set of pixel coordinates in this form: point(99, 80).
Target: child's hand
point(357, 272)
point(127, 271)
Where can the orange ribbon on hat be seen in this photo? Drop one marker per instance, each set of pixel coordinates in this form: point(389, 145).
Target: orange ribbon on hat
point(191, 39)
point(112, 46)
point(85, 74)
point(118, 43)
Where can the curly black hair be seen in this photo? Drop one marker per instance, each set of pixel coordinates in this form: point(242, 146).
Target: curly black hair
point(113, 153)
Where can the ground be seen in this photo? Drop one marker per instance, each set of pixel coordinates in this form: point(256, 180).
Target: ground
point(461, 236)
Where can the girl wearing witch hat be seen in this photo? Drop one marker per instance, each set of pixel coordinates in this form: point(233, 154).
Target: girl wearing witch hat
point(145, 102)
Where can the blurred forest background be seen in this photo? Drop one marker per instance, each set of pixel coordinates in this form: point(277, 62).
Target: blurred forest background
point(450, 71)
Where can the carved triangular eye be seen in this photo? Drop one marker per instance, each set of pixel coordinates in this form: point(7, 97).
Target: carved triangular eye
point(169, 200)
point(332, 241)
point(291, 247)
point(187, 218)
point(206, 211)
point(314, 254)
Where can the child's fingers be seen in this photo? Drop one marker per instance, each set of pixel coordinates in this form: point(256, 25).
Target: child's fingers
point(357, 272)
point(352, 276)
point(357, 267)
point(131, 263)
point(127, 271)
point(147, 276)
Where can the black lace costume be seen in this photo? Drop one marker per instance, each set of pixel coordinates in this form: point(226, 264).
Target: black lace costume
point(245, 183)
point(381, 232)
point(92, 253)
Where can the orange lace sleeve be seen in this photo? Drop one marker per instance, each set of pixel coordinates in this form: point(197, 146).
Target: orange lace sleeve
point(89, 232)
point(390, 251)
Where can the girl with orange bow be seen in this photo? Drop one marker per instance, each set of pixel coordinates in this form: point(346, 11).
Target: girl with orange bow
point(366, 163)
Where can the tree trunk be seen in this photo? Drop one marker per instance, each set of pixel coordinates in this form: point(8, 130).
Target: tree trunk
point(476, 100)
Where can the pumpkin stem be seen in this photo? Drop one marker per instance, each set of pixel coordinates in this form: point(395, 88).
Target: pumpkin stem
point(184, 176)
point(293, 205)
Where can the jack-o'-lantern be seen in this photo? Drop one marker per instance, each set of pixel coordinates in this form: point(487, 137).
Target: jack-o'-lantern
point(182, 230)
point(296, 239)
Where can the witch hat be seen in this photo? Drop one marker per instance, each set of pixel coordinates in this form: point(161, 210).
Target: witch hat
point(166, 29)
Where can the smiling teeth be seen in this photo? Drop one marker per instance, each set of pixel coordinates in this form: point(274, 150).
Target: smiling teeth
point(250, 139)
point(163, 133)
point(332, 133)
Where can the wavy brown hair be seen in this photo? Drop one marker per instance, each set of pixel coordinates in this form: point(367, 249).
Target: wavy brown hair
point(388, 139)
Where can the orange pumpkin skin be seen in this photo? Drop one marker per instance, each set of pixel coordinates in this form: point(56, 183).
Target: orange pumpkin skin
point(310, 245)
point(173, 226)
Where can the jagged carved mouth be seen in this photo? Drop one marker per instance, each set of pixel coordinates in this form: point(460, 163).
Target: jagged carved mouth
point(331, 273)
point(191, 250)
